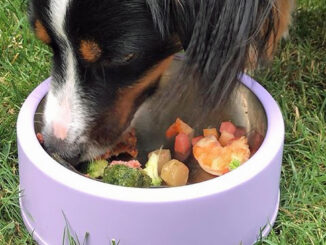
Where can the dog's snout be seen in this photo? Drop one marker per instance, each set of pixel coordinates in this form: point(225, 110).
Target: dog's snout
point(62, 149)
point(73, 160)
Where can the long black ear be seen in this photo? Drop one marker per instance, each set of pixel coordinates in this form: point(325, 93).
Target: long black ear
point(220, 38)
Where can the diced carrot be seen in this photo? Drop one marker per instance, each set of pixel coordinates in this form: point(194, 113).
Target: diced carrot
point(183, 127)
point(210, 131)
point(196, 139)
point(179, 126)
point(182, 146)
point(171, 131)
point(228, 127)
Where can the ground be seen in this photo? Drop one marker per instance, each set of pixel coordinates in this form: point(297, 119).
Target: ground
point(296, 78)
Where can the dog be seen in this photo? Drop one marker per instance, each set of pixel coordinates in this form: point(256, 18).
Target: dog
point(109, 55)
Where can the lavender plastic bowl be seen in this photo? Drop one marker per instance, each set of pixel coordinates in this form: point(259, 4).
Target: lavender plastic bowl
point(233, 209)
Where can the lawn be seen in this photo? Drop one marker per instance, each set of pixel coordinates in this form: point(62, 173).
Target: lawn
point(296, 78)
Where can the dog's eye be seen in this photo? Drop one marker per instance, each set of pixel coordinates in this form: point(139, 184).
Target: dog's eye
point(119, 60)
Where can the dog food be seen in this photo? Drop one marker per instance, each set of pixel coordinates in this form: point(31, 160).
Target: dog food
point(215, 151)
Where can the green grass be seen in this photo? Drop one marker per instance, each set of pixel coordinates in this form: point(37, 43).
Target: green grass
point(296, 78)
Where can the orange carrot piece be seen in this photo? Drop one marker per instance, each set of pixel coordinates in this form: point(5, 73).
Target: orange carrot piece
point(177, 127)
point(210, 131)
point(171, 131)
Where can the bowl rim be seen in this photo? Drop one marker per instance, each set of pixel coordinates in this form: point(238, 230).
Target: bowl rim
point(272, 144)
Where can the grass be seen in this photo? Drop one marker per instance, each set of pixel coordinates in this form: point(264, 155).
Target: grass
point(296, 78)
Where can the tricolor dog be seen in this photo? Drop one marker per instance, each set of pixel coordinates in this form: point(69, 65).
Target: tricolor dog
point(109, 54)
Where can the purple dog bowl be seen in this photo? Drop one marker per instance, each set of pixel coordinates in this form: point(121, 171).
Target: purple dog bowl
point(236, 208)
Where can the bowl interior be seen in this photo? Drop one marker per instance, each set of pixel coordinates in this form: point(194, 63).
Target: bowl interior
point(243, 109)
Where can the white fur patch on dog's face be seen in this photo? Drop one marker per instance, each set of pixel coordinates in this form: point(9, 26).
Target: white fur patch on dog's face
point(64, 115)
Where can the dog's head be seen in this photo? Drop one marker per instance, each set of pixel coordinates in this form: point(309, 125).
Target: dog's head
point(109, 55)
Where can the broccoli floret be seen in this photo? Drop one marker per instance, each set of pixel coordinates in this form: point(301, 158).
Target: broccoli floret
point(95, 169)
point(235, 163)
point(151, 169)
point(119, 174)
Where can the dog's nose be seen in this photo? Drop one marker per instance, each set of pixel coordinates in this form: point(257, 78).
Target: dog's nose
point(60, 130)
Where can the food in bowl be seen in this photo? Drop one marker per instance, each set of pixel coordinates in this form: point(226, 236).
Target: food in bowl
point(216, 151)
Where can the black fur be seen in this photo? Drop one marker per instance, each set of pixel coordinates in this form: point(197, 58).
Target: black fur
point(216, 34)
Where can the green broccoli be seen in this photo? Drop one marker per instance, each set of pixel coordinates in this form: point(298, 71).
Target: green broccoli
point(151, 169)
point(123, 175)
point(235, 163)
point(95, 169)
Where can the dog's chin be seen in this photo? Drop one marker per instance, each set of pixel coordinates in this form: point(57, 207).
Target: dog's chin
point(93, 152)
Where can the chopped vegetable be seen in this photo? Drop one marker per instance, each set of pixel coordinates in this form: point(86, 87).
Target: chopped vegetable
point(151, 169)
point(235, 163)
point(171, 131)
point(123, 175)
point(182, 147)
point(210, 131)
point(228, 127)
point(95, 169)
point(179, 127)
point(164, 155)
point(195, 140)
point(175, 173)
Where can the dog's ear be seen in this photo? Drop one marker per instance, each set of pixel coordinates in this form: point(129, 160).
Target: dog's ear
point(221, 37)
point(174, 17)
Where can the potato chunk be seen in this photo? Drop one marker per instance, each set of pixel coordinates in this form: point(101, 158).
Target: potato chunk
point(175, 173)
point(164, 155)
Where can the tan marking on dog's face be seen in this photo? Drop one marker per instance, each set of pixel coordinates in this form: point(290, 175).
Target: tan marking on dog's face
point(128, 96)
point(283, 10)
point(41, 32)
point(90, 50)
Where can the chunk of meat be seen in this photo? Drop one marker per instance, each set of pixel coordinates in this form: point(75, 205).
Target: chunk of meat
point(182, 147)
point(126, 145)
point(196, 139)
point(228, 127)
point(131, 163)
point(255, 139)
point(226, 138)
